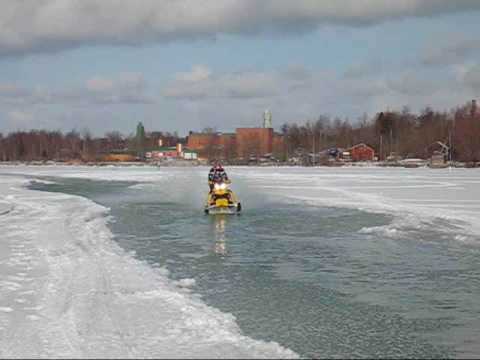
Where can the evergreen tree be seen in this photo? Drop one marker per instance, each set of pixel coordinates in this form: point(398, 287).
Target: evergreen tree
point(140, 140)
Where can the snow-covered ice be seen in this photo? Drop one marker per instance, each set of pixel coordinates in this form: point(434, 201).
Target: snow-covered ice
point(67, 290)
point(448, 199)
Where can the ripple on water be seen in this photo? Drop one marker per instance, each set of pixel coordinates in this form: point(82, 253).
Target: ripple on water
point(325, 282)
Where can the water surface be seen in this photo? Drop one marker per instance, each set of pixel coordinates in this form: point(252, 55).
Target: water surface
point(319, 280)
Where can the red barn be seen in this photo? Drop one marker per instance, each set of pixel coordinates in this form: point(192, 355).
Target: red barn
point(362, 152)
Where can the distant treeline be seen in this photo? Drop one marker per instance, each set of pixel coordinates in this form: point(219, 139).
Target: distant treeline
point(39, 145)
point(401, 132)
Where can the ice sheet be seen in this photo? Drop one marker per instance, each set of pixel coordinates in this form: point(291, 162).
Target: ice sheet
point(67, 290)
point(418, 198)
point(412, 195)
point(450, 197)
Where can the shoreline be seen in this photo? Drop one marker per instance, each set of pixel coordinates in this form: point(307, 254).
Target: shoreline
point(200, 164)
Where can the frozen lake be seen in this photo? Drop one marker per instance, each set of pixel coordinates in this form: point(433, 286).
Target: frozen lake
point(324, 262)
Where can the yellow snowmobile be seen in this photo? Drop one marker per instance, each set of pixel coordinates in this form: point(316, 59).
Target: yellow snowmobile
point(222, 200)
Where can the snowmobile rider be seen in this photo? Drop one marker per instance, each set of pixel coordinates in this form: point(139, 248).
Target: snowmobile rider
point(217, 174)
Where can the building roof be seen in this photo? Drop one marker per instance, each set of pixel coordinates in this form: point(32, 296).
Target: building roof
point(361, 145)
point(162, 148)
point(202, 134)
point(253, 128)
point(171, 148)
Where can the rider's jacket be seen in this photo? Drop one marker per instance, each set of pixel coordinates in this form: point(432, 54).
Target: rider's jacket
point(217, 175)
point(211, 174)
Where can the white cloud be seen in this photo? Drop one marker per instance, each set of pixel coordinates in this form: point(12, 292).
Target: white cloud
point(468, 75)
point(449, 50)
point(412, 83)
point(294, 93)
point(125, 89)
point(99, 85)
point(248, 85)
point(361, 70)
point(297, 88)
point(414, 87)
point(198, 73)
point(53, 25)
point(12, 91)
point(201, 83)
point(21, 120)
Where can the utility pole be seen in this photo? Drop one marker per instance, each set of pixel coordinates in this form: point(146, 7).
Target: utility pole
point(450, 135)
point(313, 147)
point(391, 139)
point(286, 147)
point(450, 148)
point(381, 147)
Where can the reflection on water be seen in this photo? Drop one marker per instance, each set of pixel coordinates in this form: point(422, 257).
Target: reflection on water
point(218, 228)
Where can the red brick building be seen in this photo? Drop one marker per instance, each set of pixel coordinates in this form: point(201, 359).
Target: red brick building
point(362, 152)
point(254, 141)
point(199, 141)
point(213, 145)
point(245, 142)
point(227, 140)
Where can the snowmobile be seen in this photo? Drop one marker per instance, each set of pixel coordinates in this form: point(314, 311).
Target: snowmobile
point(222, 200)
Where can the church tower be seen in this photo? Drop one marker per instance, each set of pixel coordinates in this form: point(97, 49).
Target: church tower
point(267, 119)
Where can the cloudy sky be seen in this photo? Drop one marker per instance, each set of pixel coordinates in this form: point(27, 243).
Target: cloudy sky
point(189, 64)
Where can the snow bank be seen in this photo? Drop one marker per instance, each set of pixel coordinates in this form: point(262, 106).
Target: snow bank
point(67, 290)
point(104, 173)
point(448, 199)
